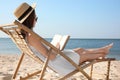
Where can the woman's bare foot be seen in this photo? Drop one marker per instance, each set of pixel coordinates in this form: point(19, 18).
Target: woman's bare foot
point(107, 48)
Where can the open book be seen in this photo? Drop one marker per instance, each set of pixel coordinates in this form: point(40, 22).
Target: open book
point(62, 40)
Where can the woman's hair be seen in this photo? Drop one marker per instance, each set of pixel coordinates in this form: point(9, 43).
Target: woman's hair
point(29, 22)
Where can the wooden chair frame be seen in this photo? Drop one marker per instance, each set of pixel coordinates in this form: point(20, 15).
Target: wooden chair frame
point(13, 30)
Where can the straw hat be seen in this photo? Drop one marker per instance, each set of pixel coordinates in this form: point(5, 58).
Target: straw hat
point(23, 11)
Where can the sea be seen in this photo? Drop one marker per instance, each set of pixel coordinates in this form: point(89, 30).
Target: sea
point(7, 46)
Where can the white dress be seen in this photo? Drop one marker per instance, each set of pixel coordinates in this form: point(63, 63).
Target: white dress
point(59, 64)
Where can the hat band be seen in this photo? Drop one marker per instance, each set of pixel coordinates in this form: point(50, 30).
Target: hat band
point(25, 13)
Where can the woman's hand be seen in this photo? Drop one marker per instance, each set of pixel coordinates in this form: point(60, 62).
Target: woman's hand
point(58, 45)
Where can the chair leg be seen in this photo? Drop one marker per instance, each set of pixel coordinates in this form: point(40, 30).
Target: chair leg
point(108, 70)
point(18, 66)
point(43, 70)
point(91, 71)
point(45, 65)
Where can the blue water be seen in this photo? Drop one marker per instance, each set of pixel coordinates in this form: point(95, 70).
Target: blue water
point(8, 47)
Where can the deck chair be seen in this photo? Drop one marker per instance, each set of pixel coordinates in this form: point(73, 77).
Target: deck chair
point(13, 30)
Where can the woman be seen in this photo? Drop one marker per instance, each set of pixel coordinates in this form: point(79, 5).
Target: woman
point(26, 15)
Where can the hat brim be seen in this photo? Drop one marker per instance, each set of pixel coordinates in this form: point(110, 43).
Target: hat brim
point(33, 8)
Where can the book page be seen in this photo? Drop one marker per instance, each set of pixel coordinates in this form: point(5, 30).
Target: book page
point(56, 39)
point(62, 40)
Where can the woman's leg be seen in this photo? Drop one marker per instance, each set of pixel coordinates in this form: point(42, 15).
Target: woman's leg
point(103, 50)
point(87, 57)
point(90, 54)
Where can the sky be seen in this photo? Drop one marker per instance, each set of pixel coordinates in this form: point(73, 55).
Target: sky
point(77, 18)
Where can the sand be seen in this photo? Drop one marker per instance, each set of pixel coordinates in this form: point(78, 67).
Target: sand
point(8, 64)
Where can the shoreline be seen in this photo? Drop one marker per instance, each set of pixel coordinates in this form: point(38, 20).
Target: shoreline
point(8, 64)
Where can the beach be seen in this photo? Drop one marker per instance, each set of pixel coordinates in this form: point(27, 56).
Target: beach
point(8, 63)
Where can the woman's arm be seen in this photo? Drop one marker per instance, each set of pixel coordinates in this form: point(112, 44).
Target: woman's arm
point(40, 47)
